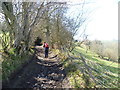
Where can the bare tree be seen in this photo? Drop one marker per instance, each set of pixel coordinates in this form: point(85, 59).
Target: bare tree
point(22, 18)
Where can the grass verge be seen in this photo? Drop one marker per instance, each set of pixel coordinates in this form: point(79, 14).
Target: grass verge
point(105, 73)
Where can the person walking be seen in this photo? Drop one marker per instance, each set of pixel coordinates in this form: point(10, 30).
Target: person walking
point(46, 46)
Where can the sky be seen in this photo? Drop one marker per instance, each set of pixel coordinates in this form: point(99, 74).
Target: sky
point(103, 20)
point(103, 23)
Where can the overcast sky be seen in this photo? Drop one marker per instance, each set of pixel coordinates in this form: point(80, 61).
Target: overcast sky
point(103, 24)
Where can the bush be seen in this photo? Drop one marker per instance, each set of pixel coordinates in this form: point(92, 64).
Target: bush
point(112, 55)
point(105, 49)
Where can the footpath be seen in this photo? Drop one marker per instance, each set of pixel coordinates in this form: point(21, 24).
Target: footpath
point(41, 73)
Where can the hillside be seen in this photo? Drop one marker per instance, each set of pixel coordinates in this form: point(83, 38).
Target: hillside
point(92, 72)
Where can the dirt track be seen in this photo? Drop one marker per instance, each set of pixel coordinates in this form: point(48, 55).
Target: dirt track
point(41, 73)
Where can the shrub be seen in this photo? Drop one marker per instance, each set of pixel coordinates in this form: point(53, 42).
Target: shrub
point(111, 54)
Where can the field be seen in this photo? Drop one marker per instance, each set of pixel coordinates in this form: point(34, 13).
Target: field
point(104, 72)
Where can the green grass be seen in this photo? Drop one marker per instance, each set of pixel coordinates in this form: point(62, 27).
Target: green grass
point(12, 63)
point(93, 56)
point(106, 72)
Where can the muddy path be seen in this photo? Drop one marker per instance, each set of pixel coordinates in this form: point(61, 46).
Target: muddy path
point(41, 73)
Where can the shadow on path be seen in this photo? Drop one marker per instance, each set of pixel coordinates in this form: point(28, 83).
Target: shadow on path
point(39, 73)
